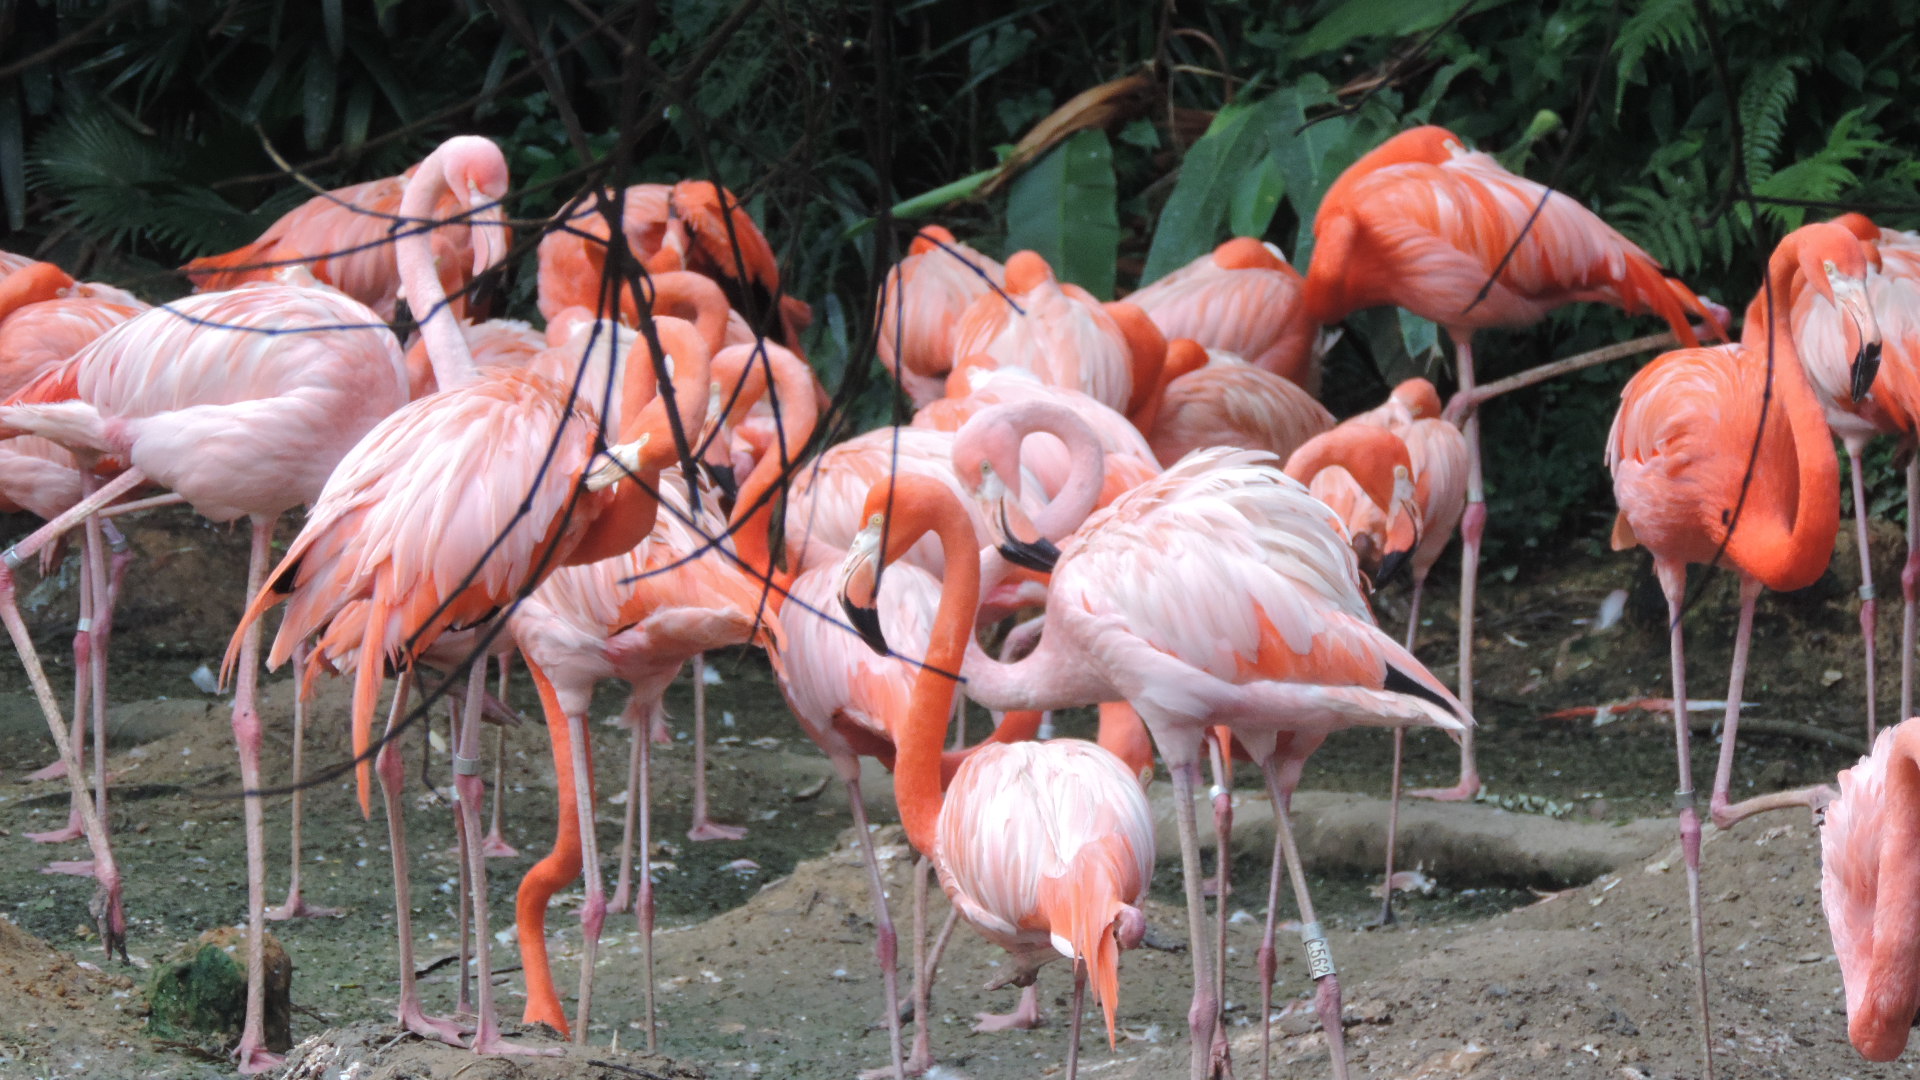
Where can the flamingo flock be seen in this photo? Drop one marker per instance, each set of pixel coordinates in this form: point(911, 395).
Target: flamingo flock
point(1145, 491)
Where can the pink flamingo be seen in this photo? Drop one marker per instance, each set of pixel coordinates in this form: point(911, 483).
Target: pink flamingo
point(1424, 223)
point(417, 530)
point(343, 238)
point(1273, 638)
point(1688, 452)
point(1044, 848)
point(240, 402)
point(1439, 455)
point(1058, 332)
point(1364, 474)
point(920, 306)
point(1869, 891)
point(1221, 400)
point(1243, 299)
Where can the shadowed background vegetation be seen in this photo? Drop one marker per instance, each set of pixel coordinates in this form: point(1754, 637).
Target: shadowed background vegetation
point(135, 134)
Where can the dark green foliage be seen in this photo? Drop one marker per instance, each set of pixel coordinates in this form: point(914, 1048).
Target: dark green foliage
point(143, 146)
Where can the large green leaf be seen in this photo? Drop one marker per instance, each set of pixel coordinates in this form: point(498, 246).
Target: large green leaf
point(1256, 198)
point(1354, 19)
point(1215, 167)
point(1310, 156)
point(1064, 208)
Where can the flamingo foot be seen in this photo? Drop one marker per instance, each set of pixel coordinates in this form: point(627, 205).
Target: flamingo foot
point(1466, 790)
point(713, 830)
point(297, 907)
point(414, 1019)
point(497, 1044)
point(55, 771)
point(75, 867)
point(494, 846)
point(657, 728)
point(252, 1060)
point(72, 831)
point(1024, 1017)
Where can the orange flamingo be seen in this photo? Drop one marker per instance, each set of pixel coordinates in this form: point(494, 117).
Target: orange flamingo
point(1243, 299)
point(920, 305)
point(1424, 223)
point(1365, 476)
point(1691, 425)
point(343, 238)
point(1870, 892)
point(1890, 406)
point(1044, 848)
point(1272, 637)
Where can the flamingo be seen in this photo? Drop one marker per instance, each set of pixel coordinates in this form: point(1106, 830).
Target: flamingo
point(640, 616)
point(1690, 428)
point(417, 530)
point(1365, 476)
point(1242, 298)
point(1891, 405)
point(1424, 223)
point(1044, 848)
point(1218, 399)
point(1439, 455)
point(240, 402)
point(920, 305)
point(1268, 633)
point(1869, 891)
point(1058, 332)
point(342, 238)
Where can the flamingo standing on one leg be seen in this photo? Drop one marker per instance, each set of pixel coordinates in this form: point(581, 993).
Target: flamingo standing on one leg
point(1424, 223)
point(1871, 891)
point(1694, 445)
point(1273, 637)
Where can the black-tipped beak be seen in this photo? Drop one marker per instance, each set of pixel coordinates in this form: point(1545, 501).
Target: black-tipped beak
point(1038, 556)
point(1865, 367)
point(866, 621)
point(723, 479)
point(1394, 562)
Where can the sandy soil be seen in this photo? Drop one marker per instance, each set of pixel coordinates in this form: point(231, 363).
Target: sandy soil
point(767, 969)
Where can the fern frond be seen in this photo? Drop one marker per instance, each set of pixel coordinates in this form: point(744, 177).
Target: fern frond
point(1763, 113)
point(1665, 25)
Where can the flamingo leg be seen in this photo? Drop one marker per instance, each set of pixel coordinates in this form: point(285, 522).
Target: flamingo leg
point(886, 942)
point(1399, 756)
point(252, 1051)
point(1910, 584)
point(940, 946)
point(98, 625)
point(393, 777)
point(547, 876)
point(1319, 958)
point(593, 911)
point(642, 793)
point(75, 828)
point(1473, 524)
point(1204, 1015)
point(702, 828)
point(920, 1059)
point(495, 846)
point(1025, 1015)
point(471, 791)
point(1673, 581)
point(1073, 1028)
point(1222, 795)
point(463, 919)
point(296, 906)
point(623, 891)
point(1867, 604)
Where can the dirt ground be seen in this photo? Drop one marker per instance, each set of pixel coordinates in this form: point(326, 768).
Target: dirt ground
point(1552, 942)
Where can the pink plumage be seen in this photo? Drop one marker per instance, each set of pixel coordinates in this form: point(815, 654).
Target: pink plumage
point(920, 307)
point(1867, 889)
point(1232, 403)
point(1243, 298)
point(1059, 333)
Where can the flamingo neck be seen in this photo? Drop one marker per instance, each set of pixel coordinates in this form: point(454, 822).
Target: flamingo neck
point(1880, 1026)
point(1784, 536)
point(916, 777)
point(798, 409)
point(1368, 453)
point(447, 349)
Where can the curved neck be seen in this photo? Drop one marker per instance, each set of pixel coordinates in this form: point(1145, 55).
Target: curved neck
point(689, 368)
point(1146, 344)
point(413, 254)
point(797, 408)
point(1368, 453)
point(1784, 535)
point(695, 298)
point(31, 284)
point(916, 779)
point(995, 435)
point(1184, 357)
point(1879, 1027)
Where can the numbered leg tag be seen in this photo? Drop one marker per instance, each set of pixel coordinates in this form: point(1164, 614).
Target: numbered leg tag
point(1319, 956)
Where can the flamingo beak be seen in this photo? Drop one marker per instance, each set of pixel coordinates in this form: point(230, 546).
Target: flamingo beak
point(1851, 297)
point(622, 461)
point(1037, 555)
point(488, 226)
point(859, 588)
point(1393, 563)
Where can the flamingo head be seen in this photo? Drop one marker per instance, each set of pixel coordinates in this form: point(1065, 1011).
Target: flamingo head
point(1835, 263)
point(986, 455)
point(476, 172)
point(859, 581)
